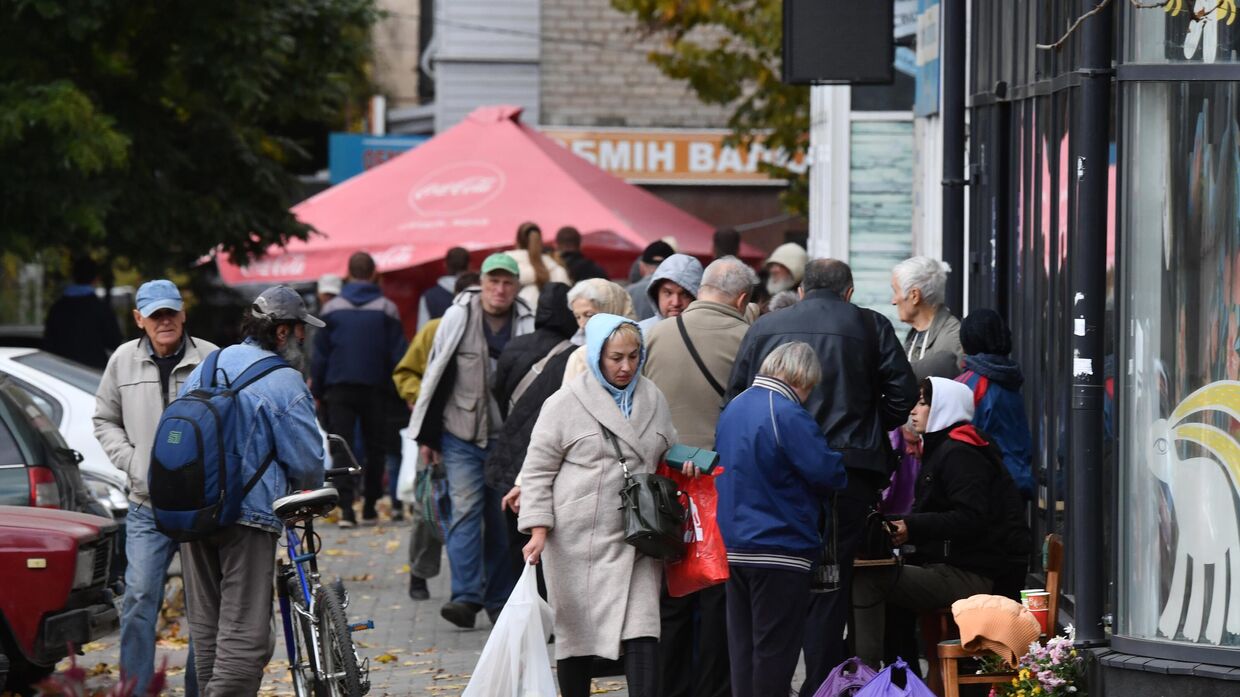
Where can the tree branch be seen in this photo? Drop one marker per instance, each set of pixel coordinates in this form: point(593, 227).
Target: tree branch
point(1068, 34)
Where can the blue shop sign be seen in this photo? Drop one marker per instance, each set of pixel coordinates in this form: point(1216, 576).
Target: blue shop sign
point(926, 101)
point(350, 154)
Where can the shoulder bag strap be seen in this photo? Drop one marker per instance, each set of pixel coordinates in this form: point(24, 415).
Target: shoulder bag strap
point(615, 445)
point(532, 374)
point(684, 334)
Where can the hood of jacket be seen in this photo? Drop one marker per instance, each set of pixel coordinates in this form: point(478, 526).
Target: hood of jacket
point(952, 404)
point(553, 313)
point(360, 292)
point(998, 369)
point(598, 330)
point(791, 256)
point(681, 269)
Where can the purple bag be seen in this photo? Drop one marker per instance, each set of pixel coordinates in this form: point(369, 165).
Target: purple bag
point(845, 679)
point(898, 498)
point(882, 685)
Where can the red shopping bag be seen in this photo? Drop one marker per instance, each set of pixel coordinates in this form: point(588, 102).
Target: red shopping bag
point(705, 562)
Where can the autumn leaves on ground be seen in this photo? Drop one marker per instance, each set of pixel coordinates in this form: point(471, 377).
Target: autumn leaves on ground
point(412, 651)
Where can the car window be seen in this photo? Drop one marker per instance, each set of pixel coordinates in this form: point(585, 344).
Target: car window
point(44, 401)
point(14, 484)
point(35, 417)
point(80, 376)
point(23, 440)
point(10, 453)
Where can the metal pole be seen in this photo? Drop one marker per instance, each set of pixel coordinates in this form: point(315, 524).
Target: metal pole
point(953, 53)
point(1091, 129)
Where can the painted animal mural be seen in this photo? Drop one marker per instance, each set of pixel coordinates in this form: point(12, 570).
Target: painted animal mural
point(1204, 492)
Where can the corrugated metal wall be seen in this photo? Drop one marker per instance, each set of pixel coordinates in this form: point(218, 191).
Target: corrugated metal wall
point(486, 53)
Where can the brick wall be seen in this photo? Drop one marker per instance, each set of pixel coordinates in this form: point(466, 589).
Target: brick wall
point(594, 72)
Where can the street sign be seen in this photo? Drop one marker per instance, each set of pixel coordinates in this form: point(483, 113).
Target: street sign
point(350, 154)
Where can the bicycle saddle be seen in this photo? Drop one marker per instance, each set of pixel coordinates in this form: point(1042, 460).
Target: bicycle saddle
point(305, 504)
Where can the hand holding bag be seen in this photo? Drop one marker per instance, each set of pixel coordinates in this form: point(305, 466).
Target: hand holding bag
point(515, 662)
point(653, 516)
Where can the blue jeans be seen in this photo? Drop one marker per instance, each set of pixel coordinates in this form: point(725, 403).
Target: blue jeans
point(148, 552)
point(478, 535)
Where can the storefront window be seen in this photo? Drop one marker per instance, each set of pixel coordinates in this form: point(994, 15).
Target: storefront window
point(880, 202)
point(1174, 34)
point(1179, 434)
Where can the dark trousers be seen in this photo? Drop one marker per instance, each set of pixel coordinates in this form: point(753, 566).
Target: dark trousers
point(346, 406)
point(766, 625)
point(829, 613)
point(693, 645)
point(641, 670)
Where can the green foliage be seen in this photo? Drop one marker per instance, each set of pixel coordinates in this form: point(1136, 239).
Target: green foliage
point(158, 129)
point(729, 52)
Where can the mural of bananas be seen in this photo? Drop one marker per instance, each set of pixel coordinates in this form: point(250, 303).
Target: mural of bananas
point(1204, 492)
point(1223, 9)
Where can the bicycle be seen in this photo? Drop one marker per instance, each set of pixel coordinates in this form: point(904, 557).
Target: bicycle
point(322, 658)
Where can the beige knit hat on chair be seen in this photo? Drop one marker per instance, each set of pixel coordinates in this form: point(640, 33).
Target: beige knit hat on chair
point(995, 623)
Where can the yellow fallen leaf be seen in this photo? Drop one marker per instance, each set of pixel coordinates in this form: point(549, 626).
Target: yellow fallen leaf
point(94, 646)
point(403, 570)
point(385, 658)
point(392, 546)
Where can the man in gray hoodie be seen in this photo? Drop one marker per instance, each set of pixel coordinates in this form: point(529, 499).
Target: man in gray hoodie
point(672, 287)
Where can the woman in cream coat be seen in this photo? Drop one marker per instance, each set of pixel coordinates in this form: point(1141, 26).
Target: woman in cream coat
point(605, 594)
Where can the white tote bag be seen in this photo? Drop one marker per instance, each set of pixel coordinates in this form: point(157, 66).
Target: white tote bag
point(515, 662)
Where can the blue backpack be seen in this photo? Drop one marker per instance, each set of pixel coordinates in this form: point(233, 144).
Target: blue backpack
point(195, 478)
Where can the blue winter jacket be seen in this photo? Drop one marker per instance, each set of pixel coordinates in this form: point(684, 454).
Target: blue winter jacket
point(362, 342)
point(1000, 413)
point(777, 474)
point(277, 409)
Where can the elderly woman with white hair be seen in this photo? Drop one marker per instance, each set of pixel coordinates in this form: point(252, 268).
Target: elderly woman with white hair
point(918, 290)
point(594, 296)
point(778, 477)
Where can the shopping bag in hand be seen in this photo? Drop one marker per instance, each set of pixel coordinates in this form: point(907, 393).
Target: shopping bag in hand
point(888, 683)
point(515, 662)
point(846, 679)
point(705, 562)
point(408, 467)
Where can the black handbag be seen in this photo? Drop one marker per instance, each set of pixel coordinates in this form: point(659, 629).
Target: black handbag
point(654, 518)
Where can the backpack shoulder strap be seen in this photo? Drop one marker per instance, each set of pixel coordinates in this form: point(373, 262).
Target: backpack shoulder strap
point(257, 370)
point(684, 334)
point(206, 378)
point(979, 387)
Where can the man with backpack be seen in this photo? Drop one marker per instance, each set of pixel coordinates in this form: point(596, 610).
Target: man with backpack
point(248, 399)
point(141, 378)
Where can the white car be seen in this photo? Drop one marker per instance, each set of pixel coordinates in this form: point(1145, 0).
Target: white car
point(65, 391)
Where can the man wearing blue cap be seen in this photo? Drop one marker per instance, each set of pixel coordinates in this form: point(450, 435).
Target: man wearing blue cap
point(141, 378)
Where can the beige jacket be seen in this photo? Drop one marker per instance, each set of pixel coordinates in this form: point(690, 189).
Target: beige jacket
point(716, 331)
point(603, 592)
point(529, 292)
point(128, 405)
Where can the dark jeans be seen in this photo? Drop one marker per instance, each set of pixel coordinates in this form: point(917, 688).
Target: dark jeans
point(641, 670)
point(693, 646)
point(766, 625)
point(825, 646)
point(346, 406)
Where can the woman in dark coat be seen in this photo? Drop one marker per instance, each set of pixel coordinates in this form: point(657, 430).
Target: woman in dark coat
point(967, 525)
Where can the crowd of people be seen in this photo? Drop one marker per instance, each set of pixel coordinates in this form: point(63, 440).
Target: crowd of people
point(535, 386)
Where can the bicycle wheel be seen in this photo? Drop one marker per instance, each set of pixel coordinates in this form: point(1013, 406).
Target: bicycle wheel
point(306, 665)
point(341, 668)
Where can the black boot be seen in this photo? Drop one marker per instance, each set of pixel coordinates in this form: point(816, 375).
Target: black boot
point(418, 589)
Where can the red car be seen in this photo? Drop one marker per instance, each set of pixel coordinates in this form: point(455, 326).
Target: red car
point(53, 588)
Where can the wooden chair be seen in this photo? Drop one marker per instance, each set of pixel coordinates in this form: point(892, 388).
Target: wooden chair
point(950, 653)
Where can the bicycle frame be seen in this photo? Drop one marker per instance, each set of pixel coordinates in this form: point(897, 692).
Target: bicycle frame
point(309, 583)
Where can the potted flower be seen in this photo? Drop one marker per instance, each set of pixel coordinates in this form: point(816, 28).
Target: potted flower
point(1053, 670)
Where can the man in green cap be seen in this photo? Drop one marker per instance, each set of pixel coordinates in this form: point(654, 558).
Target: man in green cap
point(456, 420)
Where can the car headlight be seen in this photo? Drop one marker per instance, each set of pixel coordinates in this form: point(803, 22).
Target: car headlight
point(85, 571)
point(106, 493)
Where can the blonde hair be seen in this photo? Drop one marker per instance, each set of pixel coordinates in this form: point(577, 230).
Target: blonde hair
point(795, 363)
point(626, 329)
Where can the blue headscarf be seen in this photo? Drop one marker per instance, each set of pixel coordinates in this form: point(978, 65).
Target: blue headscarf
point(598, 330)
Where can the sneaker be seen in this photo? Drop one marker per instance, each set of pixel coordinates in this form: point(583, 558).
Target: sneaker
point(418, 589)
point(347, 518)
point(462, 615)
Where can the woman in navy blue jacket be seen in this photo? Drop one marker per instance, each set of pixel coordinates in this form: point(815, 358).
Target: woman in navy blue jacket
point(778, 473)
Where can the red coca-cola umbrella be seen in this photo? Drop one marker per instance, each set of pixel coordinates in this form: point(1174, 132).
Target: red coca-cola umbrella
point(472, 186)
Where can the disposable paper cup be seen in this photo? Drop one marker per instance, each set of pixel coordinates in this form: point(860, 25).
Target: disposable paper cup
point(1043, 617)
point(1037, 600)
point(1024, 595)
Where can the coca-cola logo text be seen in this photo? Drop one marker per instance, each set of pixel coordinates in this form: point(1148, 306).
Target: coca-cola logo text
point(457, 188)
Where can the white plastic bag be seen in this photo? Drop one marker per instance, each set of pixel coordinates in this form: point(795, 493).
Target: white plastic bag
point(515, 662)
point(408, 467)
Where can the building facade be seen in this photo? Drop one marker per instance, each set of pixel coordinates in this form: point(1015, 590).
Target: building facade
point(1171, 326)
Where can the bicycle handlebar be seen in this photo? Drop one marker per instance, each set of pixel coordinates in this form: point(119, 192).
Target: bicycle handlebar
point(341, 471)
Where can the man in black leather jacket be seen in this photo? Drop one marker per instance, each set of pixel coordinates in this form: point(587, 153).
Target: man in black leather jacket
point(867, 389)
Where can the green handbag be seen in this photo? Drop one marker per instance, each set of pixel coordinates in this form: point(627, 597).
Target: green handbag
point(654, 519)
